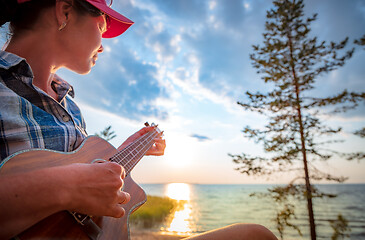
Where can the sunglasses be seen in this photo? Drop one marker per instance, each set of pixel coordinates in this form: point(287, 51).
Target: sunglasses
point(109, 2)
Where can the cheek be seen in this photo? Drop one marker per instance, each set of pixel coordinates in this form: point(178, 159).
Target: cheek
point(93, 41)
point(82, 46)
point(88, 45)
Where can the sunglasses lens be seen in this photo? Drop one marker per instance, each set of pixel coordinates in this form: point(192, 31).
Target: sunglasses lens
point(109, 2)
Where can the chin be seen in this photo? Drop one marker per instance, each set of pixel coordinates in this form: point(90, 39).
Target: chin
point(85, 72)
point(81, 71)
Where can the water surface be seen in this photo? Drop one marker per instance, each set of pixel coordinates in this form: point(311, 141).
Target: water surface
point(207, 207)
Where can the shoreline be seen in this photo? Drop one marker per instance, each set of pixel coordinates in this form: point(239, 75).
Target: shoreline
point(144, 234)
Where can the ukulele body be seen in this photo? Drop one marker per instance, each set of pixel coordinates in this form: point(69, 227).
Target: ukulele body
point(63, 225)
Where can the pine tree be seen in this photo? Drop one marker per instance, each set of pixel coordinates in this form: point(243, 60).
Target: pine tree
point(360, 41)
point(291, 61)
point(107, 134)
point(361, 132)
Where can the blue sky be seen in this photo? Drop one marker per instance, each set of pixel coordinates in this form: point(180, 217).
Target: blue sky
point(185, 63)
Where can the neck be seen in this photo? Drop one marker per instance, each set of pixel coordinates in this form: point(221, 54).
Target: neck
point(39, 54)
point(132, 154)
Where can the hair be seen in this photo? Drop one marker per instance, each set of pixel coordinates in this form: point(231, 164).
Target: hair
point(23, 16)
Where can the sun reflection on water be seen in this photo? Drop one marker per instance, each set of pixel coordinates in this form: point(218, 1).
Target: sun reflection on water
point(181, 222)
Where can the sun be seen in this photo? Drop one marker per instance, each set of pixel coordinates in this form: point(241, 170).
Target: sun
point(180, 151)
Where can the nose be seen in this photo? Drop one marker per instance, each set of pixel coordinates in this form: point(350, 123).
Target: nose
point(101, 49)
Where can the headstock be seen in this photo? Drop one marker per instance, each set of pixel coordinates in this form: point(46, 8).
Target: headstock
point(153, 125)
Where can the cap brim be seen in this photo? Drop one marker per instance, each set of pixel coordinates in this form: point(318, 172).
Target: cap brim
point(117, 23)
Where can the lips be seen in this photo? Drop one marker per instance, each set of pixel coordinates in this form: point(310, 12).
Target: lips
point(95, 57)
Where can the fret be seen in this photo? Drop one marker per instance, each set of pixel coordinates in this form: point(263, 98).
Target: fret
point(133, 153)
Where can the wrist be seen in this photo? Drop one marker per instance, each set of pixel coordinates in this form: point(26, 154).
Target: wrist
point(58, 187)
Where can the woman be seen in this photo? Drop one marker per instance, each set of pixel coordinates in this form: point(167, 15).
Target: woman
point(36, 112)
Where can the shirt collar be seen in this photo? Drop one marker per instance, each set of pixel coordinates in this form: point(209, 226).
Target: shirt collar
point(21, 67)
point(9, 60)
point(61, 87)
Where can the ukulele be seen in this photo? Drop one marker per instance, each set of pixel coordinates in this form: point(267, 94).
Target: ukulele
point(72, 225)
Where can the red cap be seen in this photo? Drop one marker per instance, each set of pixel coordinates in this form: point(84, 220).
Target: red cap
point(117, 23)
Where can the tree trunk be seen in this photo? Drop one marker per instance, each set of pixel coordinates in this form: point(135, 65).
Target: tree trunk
point(307, 180)
point(303, 147)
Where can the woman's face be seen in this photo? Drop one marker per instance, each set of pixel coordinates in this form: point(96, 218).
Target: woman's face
point(83, 43)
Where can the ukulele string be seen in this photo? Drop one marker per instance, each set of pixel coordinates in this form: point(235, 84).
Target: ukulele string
point(133, 161)
point(129, 165)
point(125, 152)
point(128, 152)
point(132, 150)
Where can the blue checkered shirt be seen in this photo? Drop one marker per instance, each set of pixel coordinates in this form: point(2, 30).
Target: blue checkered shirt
point(30, 118)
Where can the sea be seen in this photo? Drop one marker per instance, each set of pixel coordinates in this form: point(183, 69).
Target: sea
point(207, 206)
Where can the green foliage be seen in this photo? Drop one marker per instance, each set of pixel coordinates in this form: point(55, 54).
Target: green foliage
point(360, 41)
point(360, 133)
point(154, 211)
point(340, 228)
point(283, 220)
point(285, 197)
point(292, 61)
point(107, 134)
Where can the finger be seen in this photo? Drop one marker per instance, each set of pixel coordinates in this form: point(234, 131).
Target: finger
point(127, 198)
point(123, 173)
point(124, 197)
point(118, 211)
point(145, 130)
point(160, 144)
point(113, 167)
point(160, 140)
point(160, 134)
point(157, 150)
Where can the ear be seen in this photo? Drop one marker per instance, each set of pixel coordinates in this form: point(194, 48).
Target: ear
point(63, 11)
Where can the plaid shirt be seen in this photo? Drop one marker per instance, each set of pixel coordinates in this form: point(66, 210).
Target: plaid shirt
point(30, 118)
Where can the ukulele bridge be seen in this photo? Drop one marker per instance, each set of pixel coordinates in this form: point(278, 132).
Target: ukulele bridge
point(80, 218)
point(87, 225)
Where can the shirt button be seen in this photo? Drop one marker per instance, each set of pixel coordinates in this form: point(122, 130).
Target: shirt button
point(65, 118)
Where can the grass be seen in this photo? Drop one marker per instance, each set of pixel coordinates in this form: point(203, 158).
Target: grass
point(154, 211)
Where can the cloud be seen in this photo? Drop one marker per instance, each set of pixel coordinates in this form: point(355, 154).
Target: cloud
point(200, 138)
point(123, 84)
point(189, 48)
point(187, 12)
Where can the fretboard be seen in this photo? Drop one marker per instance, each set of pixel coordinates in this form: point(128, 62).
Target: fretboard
point(133, 153)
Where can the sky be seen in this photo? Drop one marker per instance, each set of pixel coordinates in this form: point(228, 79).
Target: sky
point(184, 64)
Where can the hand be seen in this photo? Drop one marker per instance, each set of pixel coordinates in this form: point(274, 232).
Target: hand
point(96, 189)
point(28, 197)
point(158, 147)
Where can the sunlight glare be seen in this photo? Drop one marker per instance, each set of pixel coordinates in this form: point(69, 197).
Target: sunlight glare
point(174, 155)
point(178, 191)
point(181, 222)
